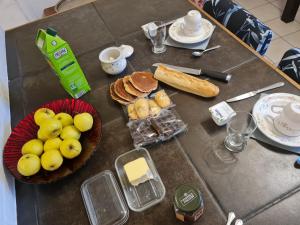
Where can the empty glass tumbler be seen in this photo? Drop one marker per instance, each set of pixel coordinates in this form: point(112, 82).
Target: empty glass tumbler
point(239, 130)
point(157, 32)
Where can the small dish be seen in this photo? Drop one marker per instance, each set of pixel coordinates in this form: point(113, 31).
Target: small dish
point(147, 194)
point(263, 114)
point(103, 200)
point(177, 34)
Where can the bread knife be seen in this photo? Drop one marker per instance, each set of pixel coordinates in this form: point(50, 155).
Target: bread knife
point(225, 77)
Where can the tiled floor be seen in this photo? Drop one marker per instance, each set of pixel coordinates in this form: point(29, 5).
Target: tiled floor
point(285, 35)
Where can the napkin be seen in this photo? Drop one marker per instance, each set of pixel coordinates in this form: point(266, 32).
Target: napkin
point(258, 135)
point(197, 46)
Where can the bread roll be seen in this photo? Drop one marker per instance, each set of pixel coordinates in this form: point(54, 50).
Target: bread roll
point(154, 108)
point(131, 112)
point(162, 99)
point(186, 82)
point(141, 107)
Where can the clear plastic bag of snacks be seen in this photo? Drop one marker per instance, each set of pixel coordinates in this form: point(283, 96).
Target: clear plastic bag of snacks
point(155, 129)
point(153, 104)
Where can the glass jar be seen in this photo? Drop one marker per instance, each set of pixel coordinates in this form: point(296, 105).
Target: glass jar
point(188, 203)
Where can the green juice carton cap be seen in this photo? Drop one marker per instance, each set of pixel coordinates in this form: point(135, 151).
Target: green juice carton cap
point(62, 60)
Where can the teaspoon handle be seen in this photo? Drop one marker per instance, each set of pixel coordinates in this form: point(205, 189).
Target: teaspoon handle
point(212, 48)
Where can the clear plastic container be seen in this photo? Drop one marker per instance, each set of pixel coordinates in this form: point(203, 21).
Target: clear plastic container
point(146, 194)
point(103, 200)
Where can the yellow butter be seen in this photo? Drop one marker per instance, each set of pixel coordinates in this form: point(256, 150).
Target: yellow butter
point(138, 171)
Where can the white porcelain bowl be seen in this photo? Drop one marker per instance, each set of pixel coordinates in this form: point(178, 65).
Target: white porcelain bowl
point(112, 60)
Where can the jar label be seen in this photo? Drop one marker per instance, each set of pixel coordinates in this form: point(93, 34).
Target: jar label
point(188, 197)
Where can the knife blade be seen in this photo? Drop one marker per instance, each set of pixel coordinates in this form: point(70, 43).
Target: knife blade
point(208, 73)
point(253, 93)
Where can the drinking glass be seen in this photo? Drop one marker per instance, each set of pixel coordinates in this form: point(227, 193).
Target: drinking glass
point(239, 130)
point(157, 33)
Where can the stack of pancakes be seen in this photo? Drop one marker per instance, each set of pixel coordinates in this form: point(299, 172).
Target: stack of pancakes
point(139, 84)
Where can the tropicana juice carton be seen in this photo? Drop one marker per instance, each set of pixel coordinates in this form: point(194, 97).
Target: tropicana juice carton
point(62, 60)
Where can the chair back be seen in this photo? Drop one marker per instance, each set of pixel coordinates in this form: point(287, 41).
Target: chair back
point(290, 64)
point(240, 22)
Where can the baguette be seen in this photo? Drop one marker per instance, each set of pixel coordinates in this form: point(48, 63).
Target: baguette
point(186, 82)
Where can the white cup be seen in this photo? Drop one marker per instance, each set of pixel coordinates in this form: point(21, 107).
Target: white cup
point(192, 23)
point(288, 120)
point(113, 59)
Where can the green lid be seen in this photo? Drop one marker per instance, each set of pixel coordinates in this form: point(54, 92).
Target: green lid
point(187, 198)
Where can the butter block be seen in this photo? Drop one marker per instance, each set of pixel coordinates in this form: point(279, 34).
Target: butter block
point(138, 171)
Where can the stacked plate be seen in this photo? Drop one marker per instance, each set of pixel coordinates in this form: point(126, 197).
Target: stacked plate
point(263, 113)
point(177, 34)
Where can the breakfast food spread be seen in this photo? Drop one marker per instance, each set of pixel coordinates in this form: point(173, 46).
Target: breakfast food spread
point(154, 108)
point(143, 81)
point(127, 89)
point(138, 171)
point(186, 82)
point(115, 97)
point(162, 99)
point(155, 129)
point(141, 107)
point(131, 89)
point(131, 112)
point(121, 92)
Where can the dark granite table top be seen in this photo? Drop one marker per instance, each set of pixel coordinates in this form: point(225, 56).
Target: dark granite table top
point(260, 184)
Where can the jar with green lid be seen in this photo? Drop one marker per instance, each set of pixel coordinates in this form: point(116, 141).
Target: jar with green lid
point(188, 203)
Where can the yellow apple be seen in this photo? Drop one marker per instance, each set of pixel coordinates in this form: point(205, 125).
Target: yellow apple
point(70, 148)
point(51, 160)
point(70, 132)
point(65, 119)
point(50, 128)
point(33, 146)
point(53, 143)
point(29, 164)
point(41, 135)
point(41, 114)
point(83, 121)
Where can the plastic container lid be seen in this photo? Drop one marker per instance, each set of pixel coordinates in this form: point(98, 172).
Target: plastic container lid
point(103, 200)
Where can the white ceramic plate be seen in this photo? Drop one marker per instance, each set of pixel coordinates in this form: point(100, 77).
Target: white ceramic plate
point(176, 33)
point(263, 113)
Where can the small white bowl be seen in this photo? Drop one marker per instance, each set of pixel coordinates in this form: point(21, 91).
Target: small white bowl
point(112, 60)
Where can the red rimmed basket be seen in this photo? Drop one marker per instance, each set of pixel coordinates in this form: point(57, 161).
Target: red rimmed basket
point(27, 129)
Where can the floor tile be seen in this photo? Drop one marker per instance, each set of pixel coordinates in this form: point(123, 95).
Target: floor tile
point(293, 39)
point(279, 3)
point(266, 12)
point(275, 35)
point(251, 4)
point(11, 16)
point(276, 50)
point(282, 28)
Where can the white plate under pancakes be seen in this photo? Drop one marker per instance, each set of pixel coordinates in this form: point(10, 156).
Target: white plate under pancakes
point(176, 32)
point(262, 113)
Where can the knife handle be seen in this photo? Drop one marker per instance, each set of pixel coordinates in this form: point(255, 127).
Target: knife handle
point(216, 75)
